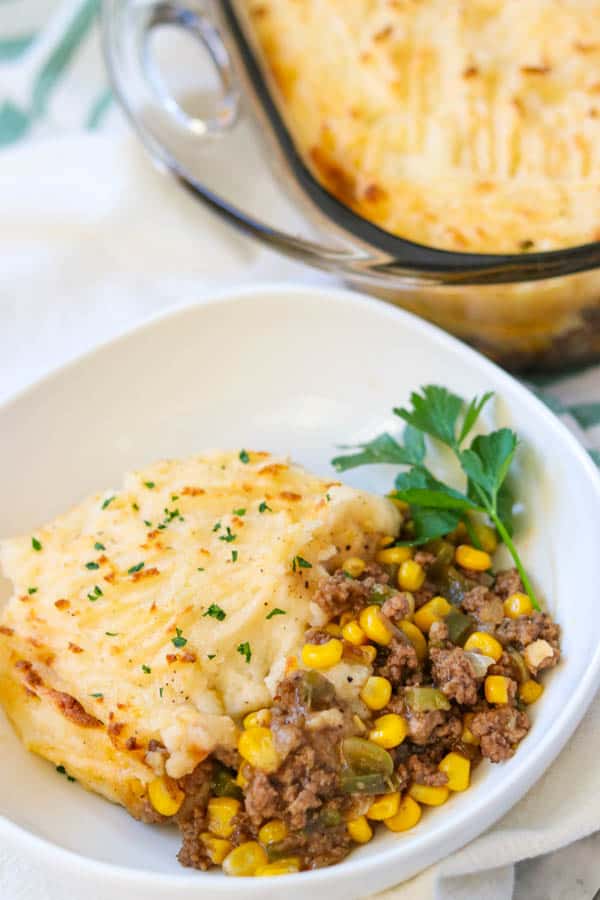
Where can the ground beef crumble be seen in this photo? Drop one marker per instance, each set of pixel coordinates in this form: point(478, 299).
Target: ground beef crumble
point(500, 730)
point(455, 675)
point(338, 592)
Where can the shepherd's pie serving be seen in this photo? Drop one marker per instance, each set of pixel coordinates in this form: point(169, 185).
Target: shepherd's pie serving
point(258, 655)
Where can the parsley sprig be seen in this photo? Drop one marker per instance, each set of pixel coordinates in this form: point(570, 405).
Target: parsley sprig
point(437, 508)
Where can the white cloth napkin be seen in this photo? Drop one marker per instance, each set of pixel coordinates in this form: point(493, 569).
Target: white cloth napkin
point(93, 240)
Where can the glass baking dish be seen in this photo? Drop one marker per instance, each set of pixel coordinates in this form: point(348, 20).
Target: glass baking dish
point(528, 311)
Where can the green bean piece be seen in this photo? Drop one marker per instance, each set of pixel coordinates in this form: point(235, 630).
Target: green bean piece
point(459, 626)
point(366, 758)
point(224, 785)
point(425, 699)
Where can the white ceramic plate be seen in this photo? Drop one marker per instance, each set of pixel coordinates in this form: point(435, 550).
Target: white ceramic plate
point(297, 371)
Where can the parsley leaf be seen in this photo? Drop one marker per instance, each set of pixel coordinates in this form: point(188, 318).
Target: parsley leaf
point(432, 523)
point(244, 456)
point(97, 696)
point(146, 669)
point(487, 461)
point(234, 555)
point(149, 484)
point(179, 640)
point(92, 565)
point(244, 650)
point(36, 544)
point(107, 502)
point(215, 612)
point(133, 569)
point(32, 590)
point(276, 612)
point(435, 412)
point(299, 562)
point(111, 633)
point(228, 536)
point(99, 546)
point(211, 655)
point(383, 449)
point(262, 507)
point(239, 512)
point(418, 486)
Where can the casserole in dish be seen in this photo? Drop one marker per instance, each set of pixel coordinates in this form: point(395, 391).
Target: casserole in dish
point(445, 156)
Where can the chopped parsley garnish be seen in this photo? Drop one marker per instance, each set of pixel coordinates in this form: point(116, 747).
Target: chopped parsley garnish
point(134, 569)
point(99, 546)
point(228, 536)
point(263, 507)
point(93, 595)
point(174, 497)
point(244, 456)
point(147, 523)
point(32, 590)
point(160, 691)
point(146, 669)
point(107, 502)
point(149, 484)
point(179, 640)
point(328, 496)
point(211, 655)
point(216, 526)
point(111, 633)
point(36, 544)
point(97, 696)
point(201, 570)
point(300, 563)
point(62, 771)
point(215, 612)
point(239, 512)
point(244, 650)
point(276, 612)
point(135, 506)
point(234, 555)
point(170, 514)
point(92, 565)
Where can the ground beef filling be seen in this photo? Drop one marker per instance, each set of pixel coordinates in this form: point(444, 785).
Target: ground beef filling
point(440, 694)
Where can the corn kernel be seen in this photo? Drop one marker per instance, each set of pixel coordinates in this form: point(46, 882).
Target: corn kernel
point(243, 775)
point(286, 866)
point(429, 795)
point(373, 625)
point(389, 731)
point(333, 629)
point(496, 689)
point(486, 535)
point(484, 643)
point(260, 717)
point(353, 633)
point(458, 770)
point(221, 812)
point(471, 558)
point(322, 656)
point(359, 830)
point(369, 652)
point(530, 691)
point(415, 636)
point(256, 746)
point(432, 611)
point(217, 848)
point(387, 540)
point(345, 618)
point(354, 566)
point(517, 605)
point(376, 692)
point(384, 807)
point(165, 796)
point(467, 736)
point(245, 859)
point(411, 575)
point(408, 815)
point(272, 832)
point(394, 556)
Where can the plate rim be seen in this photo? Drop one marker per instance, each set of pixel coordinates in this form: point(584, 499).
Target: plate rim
point(489, 809)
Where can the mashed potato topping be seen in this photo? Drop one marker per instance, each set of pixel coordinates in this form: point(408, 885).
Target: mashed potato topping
point(473, 126)
point(159, 613)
